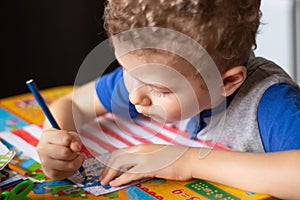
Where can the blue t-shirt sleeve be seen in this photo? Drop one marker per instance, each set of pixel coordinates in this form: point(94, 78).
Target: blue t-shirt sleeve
point(113, 95)
point(279, 118)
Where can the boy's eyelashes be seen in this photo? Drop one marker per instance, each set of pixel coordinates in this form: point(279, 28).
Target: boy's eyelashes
point(158, 92)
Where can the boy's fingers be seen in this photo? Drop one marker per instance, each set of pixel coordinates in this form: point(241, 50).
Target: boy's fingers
point(64, 165)
point(107, 175)
point(76, 143)
point(125, 178)
point(115, 164)
point(58, 152)
point(110, 173)
point(64, 138)
point(59, 137)
point(121, 180)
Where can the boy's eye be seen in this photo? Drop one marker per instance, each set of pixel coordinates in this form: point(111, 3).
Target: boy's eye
point(158, 92)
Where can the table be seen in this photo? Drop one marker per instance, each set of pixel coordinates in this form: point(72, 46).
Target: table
point(21, 110)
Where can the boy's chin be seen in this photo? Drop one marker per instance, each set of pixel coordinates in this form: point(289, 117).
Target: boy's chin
point(160, 119)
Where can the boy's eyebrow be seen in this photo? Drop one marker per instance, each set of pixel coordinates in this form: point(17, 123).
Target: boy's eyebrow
point(158, 86)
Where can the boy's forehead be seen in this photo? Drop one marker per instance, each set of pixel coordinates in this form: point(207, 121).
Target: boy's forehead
point(171, 48)
point(169, 69)
point(156, 60)
point(158, 75)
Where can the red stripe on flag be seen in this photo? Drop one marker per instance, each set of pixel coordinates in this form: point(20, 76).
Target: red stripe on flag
point(26, 136)
point(116, 136)
point(185, 134)
point(149, 130)
point(168, 128)
point(129, 132)
point(208, 143)
point(158, 134)
point(101, 143)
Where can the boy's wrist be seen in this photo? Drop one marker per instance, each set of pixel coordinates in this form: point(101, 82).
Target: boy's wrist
point(192, 161)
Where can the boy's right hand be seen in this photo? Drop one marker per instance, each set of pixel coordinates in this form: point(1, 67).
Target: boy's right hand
point(59, 152)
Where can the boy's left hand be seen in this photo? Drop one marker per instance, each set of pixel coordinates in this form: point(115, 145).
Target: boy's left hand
point(148, 161)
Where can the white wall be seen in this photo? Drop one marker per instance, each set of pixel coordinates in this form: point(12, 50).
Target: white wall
point(276, 38)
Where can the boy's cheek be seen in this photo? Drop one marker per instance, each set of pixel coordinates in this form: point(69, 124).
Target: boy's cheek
point(183, 107)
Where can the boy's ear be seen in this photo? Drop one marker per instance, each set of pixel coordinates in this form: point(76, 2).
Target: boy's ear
point(233, 78)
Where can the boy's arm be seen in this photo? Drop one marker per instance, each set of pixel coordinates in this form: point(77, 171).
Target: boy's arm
point(76, 108)
point(277, 174)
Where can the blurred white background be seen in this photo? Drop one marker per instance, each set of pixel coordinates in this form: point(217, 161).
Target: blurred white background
point(279, 35)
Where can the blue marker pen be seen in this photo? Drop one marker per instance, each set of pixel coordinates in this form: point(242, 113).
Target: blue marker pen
point(38, 97)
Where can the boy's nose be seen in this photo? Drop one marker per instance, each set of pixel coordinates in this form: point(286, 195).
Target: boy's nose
point(140, 97)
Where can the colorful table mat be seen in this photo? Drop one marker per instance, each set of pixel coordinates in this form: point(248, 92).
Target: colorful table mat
point(21, 110)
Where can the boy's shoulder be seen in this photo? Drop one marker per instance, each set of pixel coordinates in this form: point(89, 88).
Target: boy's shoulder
point(267, 66)
point(262, 72)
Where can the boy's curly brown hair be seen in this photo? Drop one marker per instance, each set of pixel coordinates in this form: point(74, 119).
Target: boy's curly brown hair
point(225, 28)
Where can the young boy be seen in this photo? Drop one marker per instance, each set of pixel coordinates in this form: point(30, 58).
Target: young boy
point(248, 104)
